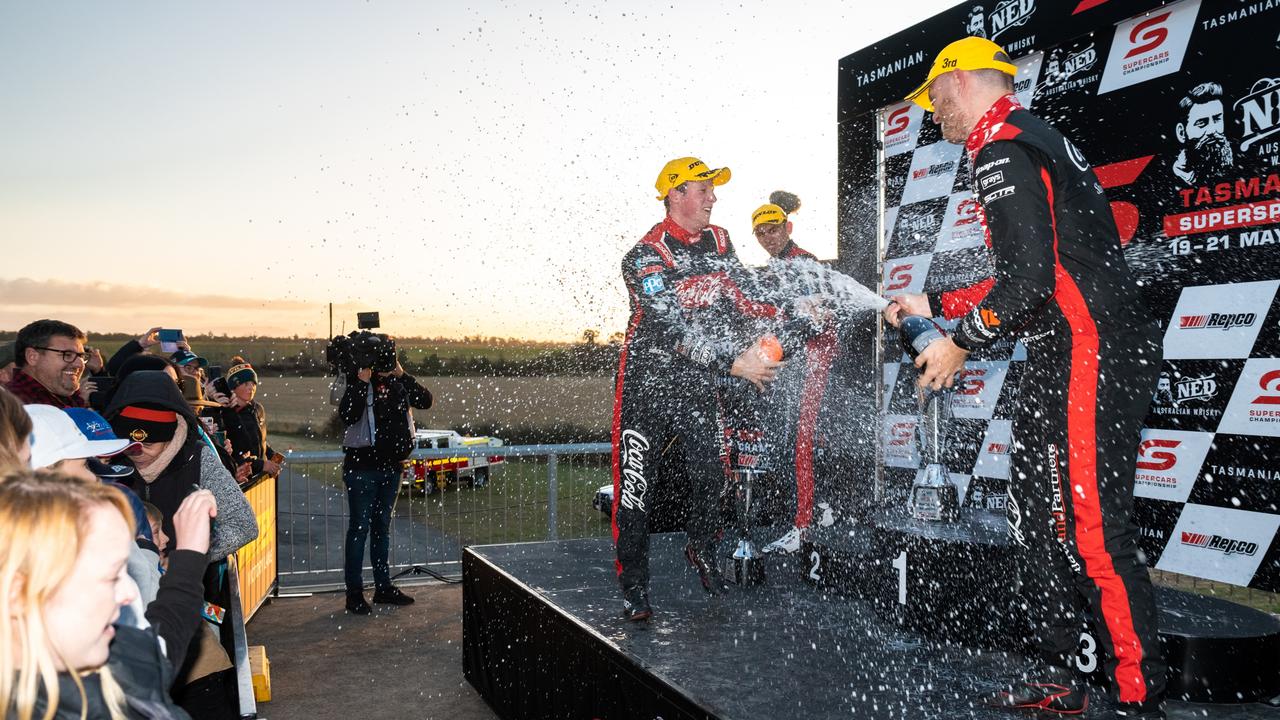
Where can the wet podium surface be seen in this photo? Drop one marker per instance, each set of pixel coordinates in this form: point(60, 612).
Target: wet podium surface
point(543, 638)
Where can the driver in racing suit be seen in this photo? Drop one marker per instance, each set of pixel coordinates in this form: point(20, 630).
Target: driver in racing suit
point(1093, 354)
point(685, 282)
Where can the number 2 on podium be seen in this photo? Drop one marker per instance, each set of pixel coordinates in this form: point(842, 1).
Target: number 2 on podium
point(900, 563)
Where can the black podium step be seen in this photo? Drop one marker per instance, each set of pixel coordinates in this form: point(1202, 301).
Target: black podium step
point(543, 638)
point(950, 581)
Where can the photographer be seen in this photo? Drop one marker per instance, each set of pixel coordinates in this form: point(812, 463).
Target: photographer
point(375, 409)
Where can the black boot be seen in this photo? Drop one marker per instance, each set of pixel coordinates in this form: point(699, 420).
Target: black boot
point(703, 559)
point(391, 596)
point(635, 604)
point(356, 604)
point(1050, 689)
point(1152, 710)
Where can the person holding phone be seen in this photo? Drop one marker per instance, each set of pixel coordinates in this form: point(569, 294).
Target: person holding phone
point(244, 420)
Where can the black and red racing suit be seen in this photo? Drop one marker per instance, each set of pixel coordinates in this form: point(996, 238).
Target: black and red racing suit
point(686, 293)
point(819, 351)
point(1093, 356)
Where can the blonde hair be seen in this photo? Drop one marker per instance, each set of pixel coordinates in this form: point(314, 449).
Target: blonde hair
point(43, 525)
point(15, 426)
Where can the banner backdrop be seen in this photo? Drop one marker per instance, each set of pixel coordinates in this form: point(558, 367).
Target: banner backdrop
point(1178, 110)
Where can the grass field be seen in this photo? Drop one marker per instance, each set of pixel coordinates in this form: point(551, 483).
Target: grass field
point(295, 404)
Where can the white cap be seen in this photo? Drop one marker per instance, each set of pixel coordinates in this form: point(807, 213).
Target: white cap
point(55, 437)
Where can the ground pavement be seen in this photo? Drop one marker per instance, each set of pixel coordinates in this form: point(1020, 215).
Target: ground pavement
point(399, 662)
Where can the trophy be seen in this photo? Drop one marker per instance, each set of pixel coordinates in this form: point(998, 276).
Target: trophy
point(749, 460)
point(933, 497)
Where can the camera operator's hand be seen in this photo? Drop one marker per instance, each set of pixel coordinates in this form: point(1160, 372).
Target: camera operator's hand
point(365, 374)
point(149, 338)
point(271, 468)
point(87, 387)
point(235, 402)
point(399, 371)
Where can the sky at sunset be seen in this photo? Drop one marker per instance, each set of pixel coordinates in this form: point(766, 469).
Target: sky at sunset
point(465, 168)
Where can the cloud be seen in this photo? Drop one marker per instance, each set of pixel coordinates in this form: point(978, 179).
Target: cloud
point(59, 293)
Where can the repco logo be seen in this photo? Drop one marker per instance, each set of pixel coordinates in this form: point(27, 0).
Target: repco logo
point(899, 277)
point(1151, 33)
point(634, 484)
point(1150, 457)
point(1217, 321)
point(1226, 546)
point(1269, 382)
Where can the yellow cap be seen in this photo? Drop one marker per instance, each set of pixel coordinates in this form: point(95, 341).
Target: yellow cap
point(683, 170)
point(971, 53)
point(768, 214)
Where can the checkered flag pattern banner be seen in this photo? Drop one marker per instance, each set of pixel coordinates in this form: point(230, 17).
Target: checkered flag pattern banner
point(1178, 110)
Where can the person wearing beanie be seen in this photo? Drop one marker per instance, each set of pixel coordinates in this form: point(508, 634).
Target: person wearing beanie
point(244, 420)
point(8, 356)
point(173, 459)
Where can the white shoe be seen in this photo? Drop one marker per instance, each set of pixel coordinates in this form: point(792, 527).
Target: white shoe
point(788, 543)
point(827, 516)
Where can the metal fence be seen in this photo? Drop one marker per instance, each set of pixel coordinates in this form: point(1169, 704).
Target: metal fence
point(537, 492)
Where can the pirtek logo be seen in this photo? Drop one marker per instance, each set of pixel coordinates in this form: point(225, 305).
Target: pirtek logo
point(1226, 546)
point(1158, 460)
point(1217, 321)
point(1150, 32)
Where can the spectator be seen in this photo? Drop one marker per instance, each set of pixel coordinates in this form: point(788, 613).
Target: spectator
point(68, 658)
point(189, 364)
point(245, 421)
point(155, 519)
point(140, 361)
point(375, 411)
point(58, 444)
point(51, 357)
point(15, 433)
point(174, 458)
point(7, 364)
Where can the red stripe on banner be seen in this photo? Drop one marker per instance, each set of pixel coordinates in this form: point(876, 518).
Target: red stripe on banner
point(1088, 5)
point(818, 354)
point(1082, 468)
point(617, 427)
point(1119, 174)
point(1226, 218)
point(134, 412)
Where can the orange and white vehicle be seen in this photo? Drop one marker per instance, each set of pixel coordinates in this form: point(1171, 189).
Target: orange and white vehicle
point(429, 475)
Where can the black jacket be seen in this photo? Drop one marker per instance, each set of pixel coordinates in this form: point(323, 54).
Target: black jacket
point(393, 437)
point(246, 428)
point(1059, 268)
point(141, 670)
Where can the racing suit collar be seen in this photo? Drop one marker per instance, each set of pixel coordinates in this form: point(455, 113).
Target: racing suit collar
point(990, 123)
point(672, 228)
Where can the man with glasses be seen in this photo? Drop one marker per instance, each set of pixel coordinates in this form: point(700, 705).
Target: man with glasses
point(51, 357)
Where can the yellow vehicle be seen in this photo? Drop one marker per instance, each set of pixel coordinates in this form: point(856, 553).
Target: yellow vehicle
point(429, 475)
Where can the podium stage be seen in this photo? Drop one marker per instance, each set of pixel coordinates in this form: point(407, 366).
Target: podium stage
point(543, 638)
